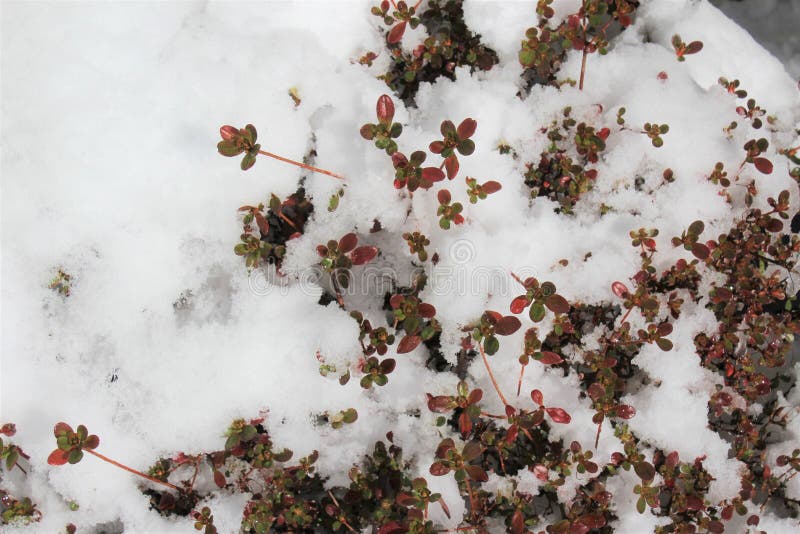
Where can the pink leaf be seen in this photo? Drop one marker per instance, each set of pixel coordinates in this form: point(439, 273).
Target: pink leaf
point(558, 415)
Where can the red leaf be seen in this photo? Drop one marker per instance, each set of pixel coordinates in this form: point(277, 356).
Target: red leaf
point(228, 132)
point(426, 310)
point(451, 166)
point(458, 219)
point(464, 423)
point(491, 187)
point(444, 197)
point(348, 243)
point(62, 428)
point(440, 403)
point(494, 317)
point(511, 434)
point(519, 304)
point(363, 255)
point(432, 174)
point(405, 499)
point(58, 457)
point(322, 250)
point(396, 301)
point(507, 325)
point(438, 469)
point(408, 343)
point(763, 165)
point(436, 147)
point(625, 411)
point(700, 251)
point(393, 527)
point(396, 33)
point(475, 396)
point(219, 479)
point(517, 522)
point(467, 128)
point(693, 47)
point(261, 221)
point(537, 397)
point(619, 289)
point(603, 134)
point(476, 473)
point(550, 358)
point(385, 107)
point(558, 415)
point(557, 304)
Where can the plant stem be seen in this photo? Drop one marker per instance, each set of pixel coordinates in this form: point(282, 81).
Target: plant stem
point(130, 470)
point(303, 165)
point(491, 375)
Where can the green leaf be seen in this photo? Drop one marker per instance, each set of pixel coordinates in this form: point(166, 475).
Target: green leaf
point(248, 161)
point(491, 345)
point(664, 344)
point(537, 312)
point(75, 456)
point(229, 148)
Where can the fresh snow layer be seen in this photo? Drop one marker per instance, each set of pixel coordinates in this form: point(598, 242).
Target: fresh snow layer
point(110, 120)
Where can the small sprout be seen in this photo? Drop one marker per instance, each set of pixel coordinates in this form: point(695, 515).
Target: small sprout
point(416, 244)
point(539, 297)
point(295, 95)
point(732, 87)
point(203, 520)
point(558, 415)
point(682, 49)
point(385, 131)
point(620, 118)
point(655, 131)
point(408, 172)
point(690, 239)
point(476, 191)
point(416, 318)
point(239, 432)
point(448, 213)
point(402, 16)
point(491, 325)
point(340, 418)
point(333, 202)
point(754, 149)
point(71, 444)
point(61, 283)
point(375, 372)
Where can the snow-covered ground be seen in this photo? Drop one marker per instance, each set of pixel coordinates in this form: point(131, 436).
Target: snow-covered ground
point(110, 117)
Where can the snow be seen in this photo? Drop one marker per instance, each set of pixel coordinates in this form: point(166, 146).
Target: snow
point(110, 121)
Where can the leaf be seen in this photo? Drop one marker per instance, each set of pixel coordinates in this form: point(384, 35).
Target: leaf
point(517, 522)
point(62, 428)
point(396, 33)
point(491, 187)
point(229, 148)
point(537, 312)
point(466, 128)
point(664, 344)
point(491, 345)
point(471, 451)
point(507, 325)
point(91, 442)
point(519, 304)
point(558, 415)
point(228, 131)
point(408, 343)
point(451, 166)
point(640, 505)
point(696, 228)
point(644, 470)
point(620, 289)
point(550, 358)
point(74, 456)
point(348, 242)
point(58, 457)
point(537, 397)
point(426, 310)
point(444, 197)
point(763, 165)
point(448, 129)
point(438, 469)
point(476, 473)
point(436, 147)
point(387, 366)
point(693, 47)
point(363, 255)
point(432, 174)
point(557, 304)
point(385, 107)
point(700, 251)
point(466, 147)
point(625, 411)
point(219, 479)
point(248, 161)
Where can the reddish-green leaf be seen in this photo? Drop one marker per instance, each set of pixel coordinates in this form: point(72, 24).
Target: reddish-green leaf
point(385, 107)
point(408, 343)
point(558, 415)
point(396, 33)
point(58, 457)
point(444, 197)
point(507, 325)
point(348, 243)
point(451, 166)
point(363, 255)
point(467, 128)
point(550, 358)
point(557, 304)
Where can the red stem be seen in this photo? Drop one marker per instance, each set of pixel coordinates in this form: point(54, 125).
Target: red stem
point(491, 375)
point(130, 470)
point(303, 165)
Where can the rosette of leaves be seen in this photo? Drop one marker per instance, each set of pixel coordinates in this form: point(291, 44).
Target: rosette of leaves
point(455, 141)
point(464, 400)
point(654, 132)
point(71, 444)
point(540, 298)
point(416, 244)
point(10, 455)
point(690, 239)
point(420, 497)
point(376, 371)
point(532, 348)
point(682, 49)
point(238, 433)
point(410, 174)
point(402, 16)
point(481, 191)
point(254, 250)
point(237, 141)
point(491, 325)
point(341, 418)
point(448, 211)
point(416, 318)
point(385, 131)
point(557, 177)
point(558, 415)
point(379, 338)
point(448, 459)
point(339, 257)
point(204, 520)
point(589, 142)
